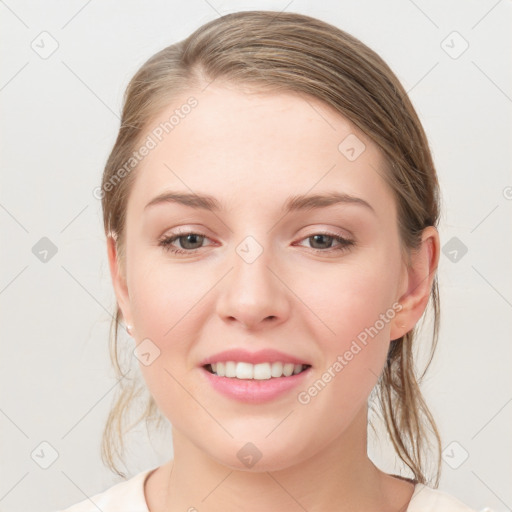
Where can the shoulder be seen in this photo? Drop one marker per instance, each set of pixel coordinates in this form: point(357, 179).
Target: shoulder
point(127, 495)
point(426, 499)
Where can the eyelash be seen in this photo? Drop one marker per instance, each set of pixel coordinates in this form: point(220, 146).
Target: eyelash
point(345, 243)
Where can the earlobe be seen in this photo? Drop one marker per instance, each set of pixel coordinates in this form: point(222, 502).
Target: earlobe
point(417, 283)
point(118, 280)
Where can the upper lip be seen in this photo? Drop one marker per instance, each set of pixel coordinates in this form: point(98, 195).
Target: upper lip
point(261, 356)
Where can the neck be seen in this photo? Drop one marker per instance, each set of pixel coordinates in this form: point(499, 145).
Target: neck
point(339, 477)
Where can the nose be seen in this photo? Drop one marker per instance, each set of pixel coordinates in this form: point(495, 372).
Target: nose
point(253, 293)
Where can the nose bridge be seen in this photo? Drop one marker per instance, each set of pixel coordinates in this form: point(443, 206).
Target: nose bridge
point(252, 292)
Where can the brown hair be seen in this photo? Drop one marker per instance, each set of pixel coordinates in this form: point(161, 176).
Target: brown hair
point(296, 53)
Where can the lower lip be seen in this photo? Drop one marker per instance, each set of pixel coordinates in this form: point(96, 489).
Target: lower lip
point(253, 390)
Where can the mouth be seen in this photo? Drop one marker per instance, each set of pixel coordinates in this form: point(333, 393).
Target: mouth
point(261, 371)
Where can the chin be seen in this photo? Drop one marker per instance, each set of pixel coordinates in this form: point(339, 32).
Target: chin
point(257, 457)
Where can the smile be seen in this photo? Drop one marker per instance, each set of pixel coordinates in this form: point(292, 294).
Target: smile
point(260, 371)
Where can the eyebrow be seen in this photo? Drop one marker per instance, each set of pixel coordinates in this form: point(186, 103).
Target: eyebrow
point(293, 203)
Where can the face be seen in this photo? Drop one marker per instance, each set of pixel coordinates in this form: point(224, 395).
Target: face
point(317, 283)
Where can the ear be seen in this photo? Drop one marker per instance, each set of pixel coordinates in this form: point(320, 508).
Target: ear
point(118, 280)
point(416, 283)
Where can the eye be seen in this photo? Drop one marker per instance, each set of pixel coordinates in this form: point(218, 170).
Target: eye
point(191, 242)
point(325, 240)
point(188, 241)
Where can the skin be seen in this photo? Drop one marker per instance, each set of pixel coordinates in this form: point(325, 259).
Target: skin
point(253, 151)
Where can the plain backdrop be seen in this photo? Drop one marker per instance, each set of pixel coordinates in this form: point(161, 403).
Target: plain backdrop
point(64, 68)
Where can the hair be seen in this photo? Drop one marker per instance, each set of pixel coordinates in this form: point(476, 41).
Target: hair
point(290, 52)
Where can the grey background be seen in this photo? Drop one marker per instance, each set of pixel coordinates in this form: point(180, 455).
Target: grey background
point(59, 121)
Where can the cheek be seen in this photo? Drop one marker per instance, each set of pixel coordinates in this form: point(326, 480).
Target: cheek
point(352, 359)
point(170, 305)
point(349, 301)
point(355, 306)
point(165, 296)
point(164, 308)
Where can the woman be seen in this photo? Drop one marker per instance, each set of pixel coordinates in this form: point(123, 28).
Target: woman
point(270, 207)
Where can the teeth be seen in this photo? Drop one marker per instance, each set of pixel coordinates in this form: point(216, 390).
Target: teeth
point(288, 369)
point(276, 369)
point(243, 371)
point(230, 369)
point(260, 371)
point(297, 369)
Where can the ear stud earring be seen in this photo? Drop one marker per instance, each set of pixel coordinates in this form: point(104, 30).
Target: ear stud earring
point(129, 329)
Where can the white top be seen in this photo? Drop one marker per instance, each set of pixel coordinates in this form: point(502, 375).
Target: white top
point(128, 496)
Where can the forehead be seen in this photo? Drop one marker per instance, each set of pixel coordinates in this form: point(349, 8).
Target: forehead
point(257, 149)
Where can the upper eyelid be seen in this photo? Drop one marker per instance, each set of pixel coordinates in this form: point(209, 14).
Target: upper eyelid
point(346, 233)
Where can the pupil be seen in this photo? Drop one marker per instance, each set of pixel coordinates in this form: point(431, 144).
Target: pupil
point(316, 237)
point(187, 238)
